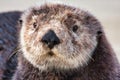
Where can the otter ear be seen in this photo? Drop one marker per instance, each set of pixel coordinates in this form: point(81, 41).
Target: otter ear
point(20, 21)
point(99, 33)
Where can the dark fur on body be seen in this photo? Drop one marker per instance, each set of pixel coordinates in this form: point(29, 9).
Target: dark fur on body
point(8, 43)
point(102, 66)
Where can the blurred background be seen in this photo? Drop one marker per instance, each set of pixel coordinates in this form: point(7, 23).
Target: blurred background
point(107, 11)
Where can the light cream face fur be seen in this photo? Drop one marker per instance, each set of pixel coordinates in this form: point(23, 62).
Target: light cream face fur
point(75, 48)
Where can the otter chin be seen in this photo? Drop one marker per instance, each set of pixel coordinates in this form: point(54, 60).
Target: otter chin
point(62, 42)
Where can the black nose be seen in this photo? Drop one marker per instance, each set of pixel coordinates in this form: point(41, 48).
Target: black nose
point(50, 39)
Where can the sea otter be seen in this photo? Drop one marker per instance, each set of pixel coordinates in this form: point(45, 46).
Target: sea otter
point(62, 42)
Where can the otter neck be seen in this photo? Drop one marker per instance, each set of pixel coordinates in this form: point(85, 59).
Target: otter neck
point(31, 73)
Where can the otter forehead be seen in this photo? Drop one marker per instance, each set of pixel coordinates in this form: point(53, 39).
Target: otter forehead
point(47, 12)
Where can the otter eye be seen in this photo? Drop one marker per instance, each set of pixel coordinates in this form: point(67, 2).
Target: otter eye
point(34, 25)
point(74, 28)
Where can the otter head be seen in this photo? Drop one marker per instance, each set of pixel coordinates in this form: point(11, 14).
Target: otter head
point(58, 36)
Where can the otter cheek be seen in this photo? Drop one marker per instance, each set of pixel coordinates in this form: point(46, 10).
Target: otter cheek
point(66, 48)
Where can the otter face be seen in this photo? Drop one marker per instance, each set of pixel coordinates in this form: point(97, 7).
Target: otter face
point(58, 36)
